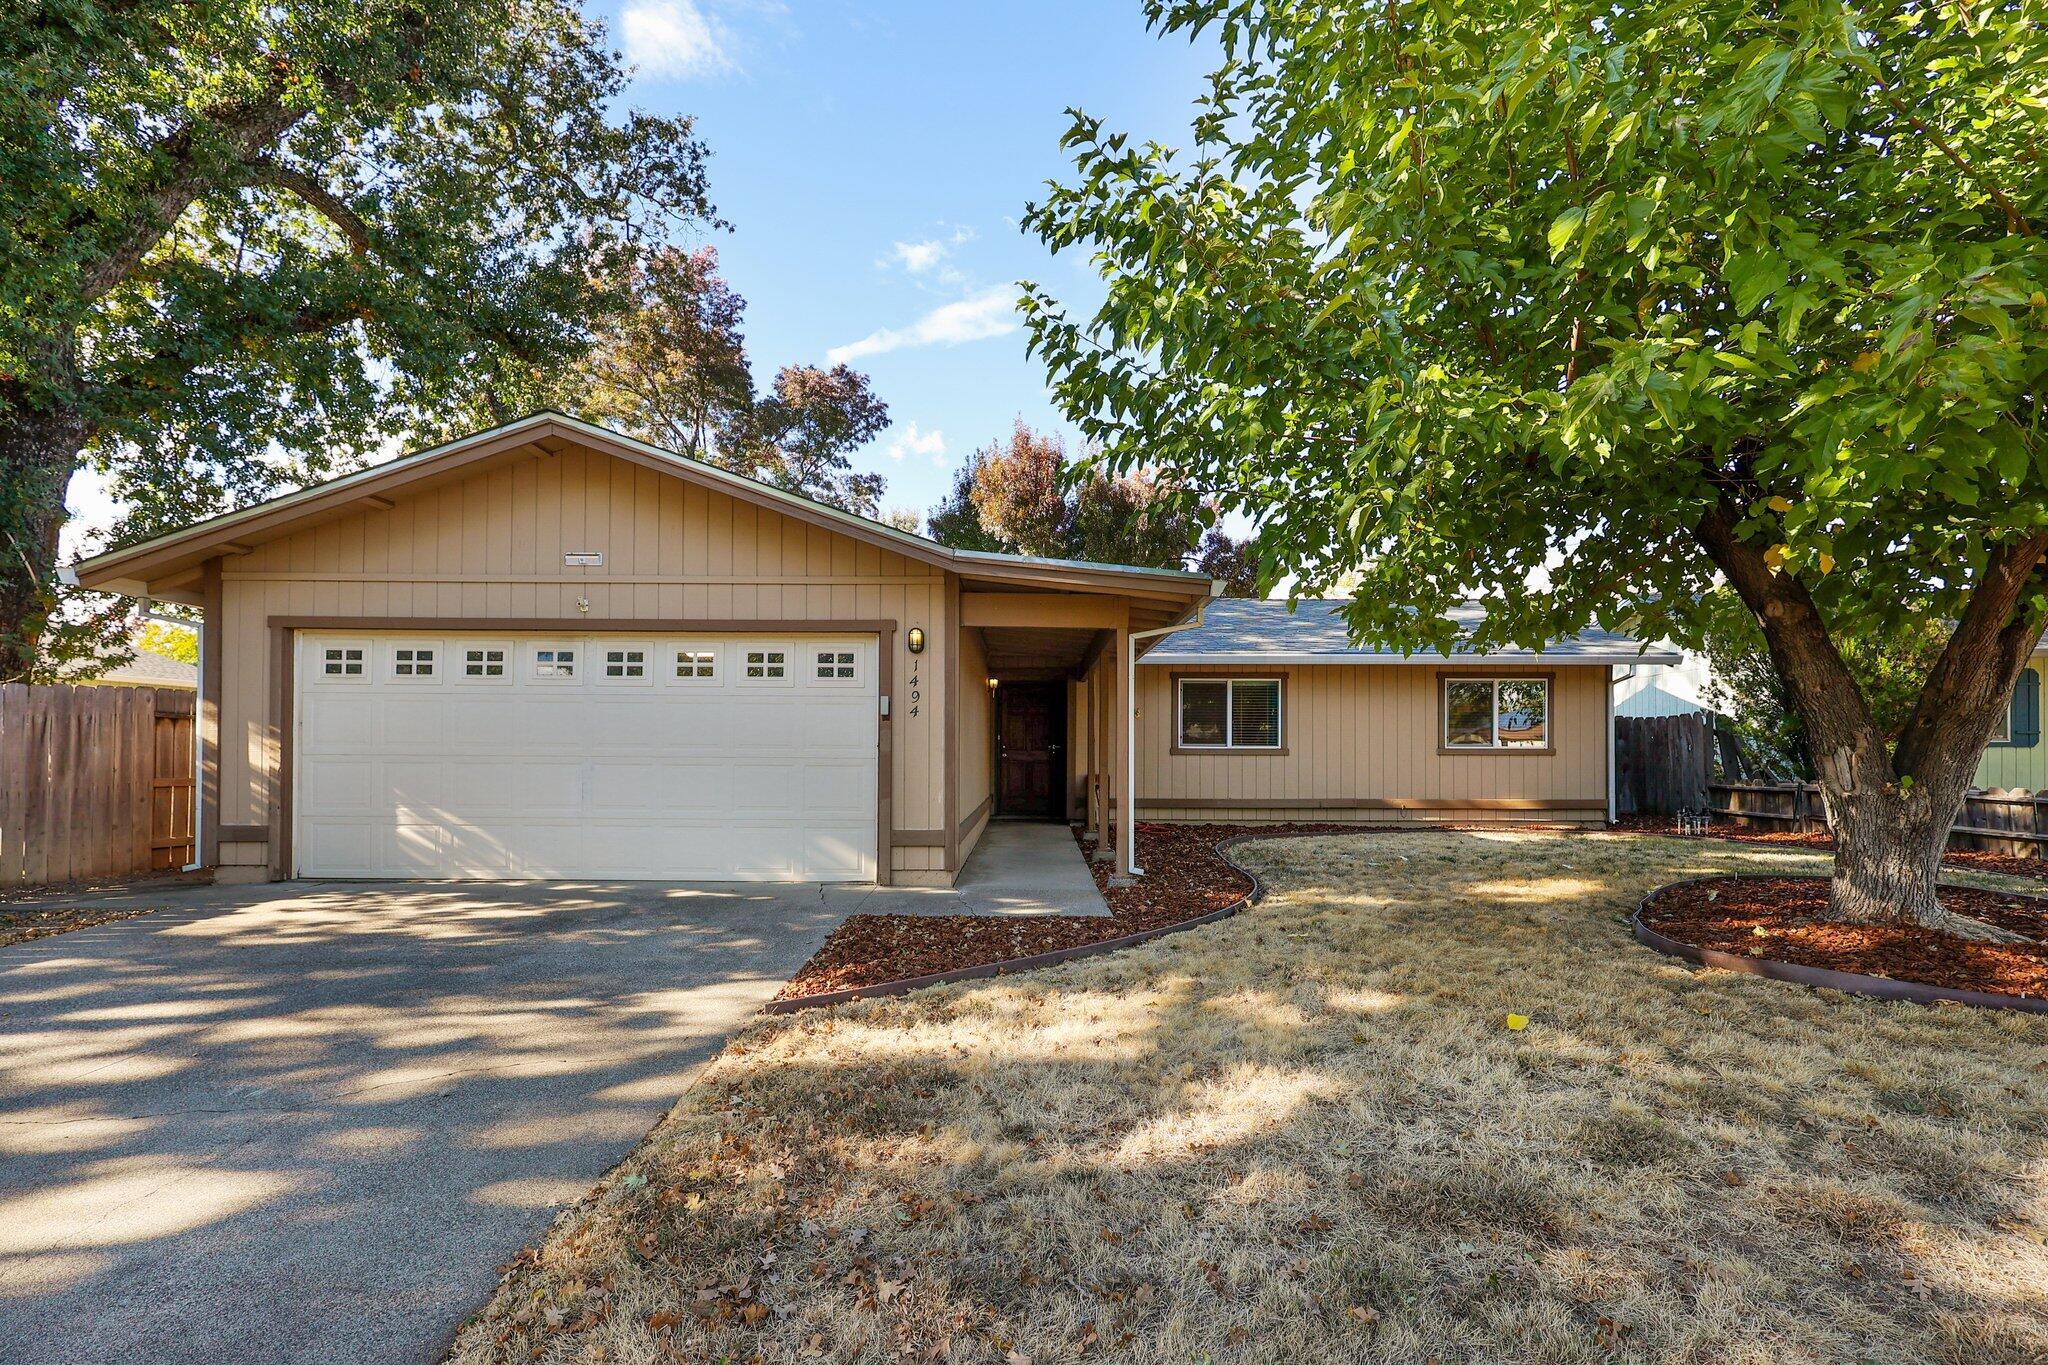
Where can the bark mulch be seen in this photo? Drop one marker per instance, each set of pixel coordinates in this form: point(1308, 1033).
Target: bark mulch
point(32, 912)
point(1973, 858)
point(1185, 878)
point(1781, 918)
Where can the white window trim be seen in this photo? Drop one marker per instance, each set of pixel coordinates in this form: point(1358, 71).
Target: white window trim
point(1230, 744)
point(791, 662)
point(319, 672)
point(600, 662)
point(1443, 710)
point(813, 649)
point(391, 661)
point(2003, 734)
point(459, 663)
point(530, 660)
point(721, 662)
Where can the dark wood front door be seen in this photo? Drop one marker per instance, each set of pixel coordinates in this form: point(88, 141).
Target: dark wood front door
point(1030, 769)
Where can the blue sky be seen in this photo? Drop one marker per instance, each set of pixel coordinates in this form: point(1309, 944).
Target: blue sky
point(874, 160)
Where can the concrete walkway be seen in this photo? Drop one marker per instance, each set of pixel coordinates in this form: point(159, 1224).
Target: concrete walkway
point(307, 1122)
point(1015, 869)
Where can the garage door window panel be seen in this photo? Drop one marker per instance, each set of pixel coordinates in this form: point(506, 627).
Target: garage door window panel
point(557, 663)
point(766, 665)
point(344, 660)
point(623, 664)
point(695, 663)
point(835, 666)
point(415, 661)
point(483, 663)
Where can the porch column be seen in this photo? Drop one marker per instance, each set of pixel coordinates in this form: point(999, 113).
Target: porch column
point(1105, 697)
point(1091, 789)
point(1126, 755)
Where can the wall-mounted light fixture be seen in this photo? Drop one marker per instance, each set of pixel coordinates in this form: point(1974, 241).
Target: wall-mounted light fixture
point(915, 639)
point(991, 684)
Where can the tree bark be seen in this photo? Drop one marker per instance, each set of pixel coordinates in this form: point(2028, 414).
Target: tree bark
point(1890, 806)
point(41, 436)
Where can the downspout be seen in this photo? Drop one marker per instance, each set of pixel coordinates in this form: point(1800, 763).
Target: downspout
point(1127, 839)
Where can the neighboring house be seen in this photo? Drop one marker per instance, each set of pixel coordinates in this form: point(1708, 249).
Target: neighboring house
point(2016, 757)
point(548, 650)
point(1659, 689)
point(149, 670)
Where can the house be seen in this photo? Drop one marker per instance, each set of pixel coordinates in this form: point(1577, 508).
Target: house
point(2016, 758)
point(149, 670)
point(548, 650)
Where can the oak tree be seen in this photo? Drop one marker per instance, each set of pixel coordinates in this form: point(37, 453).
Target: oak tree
point(247, 246)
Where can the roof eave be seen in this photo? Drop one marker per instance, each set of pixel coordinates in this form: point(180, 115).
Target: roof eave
point(1352, 660)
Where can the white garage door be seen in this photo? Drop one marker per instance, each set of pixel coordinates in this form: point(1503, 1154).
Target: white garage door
point(633, 757)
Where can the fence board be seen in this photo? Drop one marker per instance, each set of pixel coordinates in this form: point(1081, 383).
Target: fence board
point(2013, 823)
point(94, 782)
point(1662, 763)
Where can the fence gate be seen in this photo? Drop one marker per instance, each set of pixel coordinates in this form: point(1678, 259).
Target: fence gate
point(94, 782)
point(1662, 763)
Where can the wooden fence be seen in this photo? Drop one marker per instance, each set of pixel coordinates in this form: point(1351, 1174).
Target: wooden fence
point(94, 782)
point(1662, 764)
point(2013, 823)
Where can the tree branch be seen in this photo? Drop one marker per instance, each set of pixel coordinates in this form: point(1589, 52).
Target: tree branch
point(193, 162)
point(1992, 640)
point(329, 205)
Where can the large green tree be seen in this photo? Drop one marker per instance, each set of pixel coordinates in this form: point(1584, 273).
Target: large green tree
point(1586, 307)
point(244, 245)
point(1023, 496)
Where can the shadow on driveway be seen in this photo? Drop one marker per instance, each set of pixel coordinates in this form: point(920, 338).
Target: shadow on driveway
point(306, 1122)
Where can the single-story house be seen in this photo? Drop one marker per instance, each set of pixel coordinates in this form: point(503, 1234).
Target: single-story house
point(148, 670)
point(551, 651)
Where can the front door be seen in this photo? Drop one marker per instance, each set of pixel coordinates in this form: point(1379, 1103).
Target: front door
point(1030, 771)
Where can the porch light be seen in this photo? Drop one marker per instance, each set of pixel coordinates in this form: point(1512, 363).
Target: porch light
point(991, 684)
point(916, 639)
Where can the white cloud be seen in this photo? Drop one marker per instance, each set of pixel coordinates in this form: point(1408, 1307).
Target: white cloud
point(918, 257)
point(912, 441)
point(990, 313)
point(674, 38)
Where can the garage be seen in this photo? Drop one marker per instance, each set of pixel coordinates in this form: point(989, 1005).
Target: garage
point(621, 756)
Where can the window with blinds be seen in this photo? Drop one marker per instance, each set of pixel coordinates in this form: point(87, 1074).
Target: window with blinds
point(1230, 713)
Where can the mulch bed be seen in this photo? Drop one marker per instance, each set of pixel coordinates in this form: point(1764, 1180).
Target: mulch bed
point(1977, 860)
point(1185, 878)
point(1780, 918)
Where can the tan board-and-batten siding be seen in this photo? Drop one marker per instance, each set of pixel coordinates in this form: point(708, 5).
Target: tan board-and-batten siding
point(1361, 744)
point(489, 549)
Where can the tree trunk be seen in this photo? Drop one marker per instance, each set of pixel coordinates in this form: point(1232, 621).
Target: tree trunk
point(41, 435)
point(1888, 849)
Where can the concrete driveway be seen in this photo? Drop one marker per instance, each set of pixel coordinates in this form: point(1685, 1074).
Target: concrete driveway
point(307, 1122)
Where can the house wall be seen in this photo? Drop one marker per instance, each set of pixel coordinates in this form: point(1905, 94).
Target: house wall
point(975, 800)
point(490, 548)
point(2010, 765)
point(1369, 734)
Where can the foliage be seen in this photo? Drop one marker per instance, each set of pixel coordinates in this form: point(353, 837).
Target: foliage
point(1022, 496)
point(799, 436)
point(671, 366)
point(172, 642)
point(247, 247)
point(1580, 308)
point(1891, 667)
point(1453, 285)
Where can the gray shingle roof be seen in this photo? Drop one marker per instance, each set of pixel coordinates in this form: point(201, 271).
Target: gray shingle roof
point(1236, 630)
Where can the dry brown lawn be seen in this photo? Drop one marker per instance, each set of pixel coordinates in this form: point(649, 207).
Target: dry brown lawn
point(1307, 1134)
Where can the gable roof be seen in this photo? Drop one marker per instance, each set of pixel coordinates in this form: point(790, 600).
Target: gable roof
point(1249, 631)
point(130, 568)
